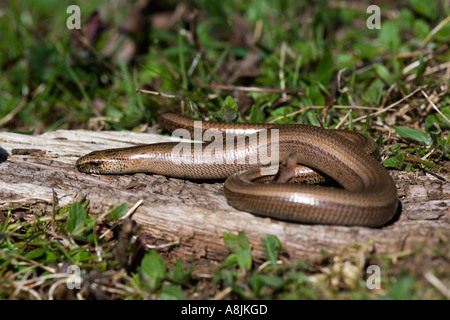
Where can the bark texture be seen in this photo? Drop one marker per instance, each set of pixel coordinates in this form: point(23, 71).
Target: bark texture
point(195, 214)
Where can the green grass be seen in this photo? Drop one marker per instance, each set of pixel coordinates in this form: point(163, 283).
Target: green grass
point(36, 257)
point(323, 51)
point(55, 84)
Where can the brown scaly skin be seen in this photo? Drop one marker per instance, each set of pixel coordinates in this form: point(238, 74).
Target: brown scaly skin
point(369, 197)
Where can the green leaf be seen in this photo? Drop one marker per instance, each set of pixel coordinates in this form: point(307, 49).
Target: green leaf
point(229, 261)
point(326, 68)
point(256, 283)
point(50, 257)
point(365, 129)
point(230, 241)
point(375, 92)
point(273, 282)
point(403, 288)
point(243, 241)
point(242, 249)
point(256, 115)
point(44, 61)
point(5, 223)
point(260, 281)
point(153, 269)
point(420, 69)
point(445, 144)
point(229, 110)
point(383, 73)
point(421, 28)
point(227, 276)
point(367, 50)
point(443, 34)
point(438, 119)
point(395, 63)
point(236, 242)
point(118, 211)
point(34, 254)
point(407, 19)
point(395, 162)
point(314, 94)
point(414, 134)
point(230, 103)
point(76, 219)
point(426, 8)
point(170, 292)
point(311, 115)
point(280, 112)
point(244, 259)
point(390, 34)
point(272, 247)
point(395, 148)
point(435, 135)
point(179, 275)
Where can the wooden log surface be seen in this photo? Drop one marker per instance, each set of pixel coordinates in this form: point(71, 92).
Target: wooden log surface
point(195, 214)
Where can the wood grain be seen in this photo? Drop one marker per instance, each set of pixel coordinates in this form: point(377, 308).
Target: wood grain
point(195, 214)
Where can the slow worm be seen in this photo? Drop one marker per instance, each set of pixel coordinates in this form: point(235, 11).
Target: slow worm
point(368, 198)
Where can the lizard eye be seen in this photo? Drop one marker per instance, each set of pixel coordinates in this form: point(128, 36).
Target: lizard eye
point(95, 163)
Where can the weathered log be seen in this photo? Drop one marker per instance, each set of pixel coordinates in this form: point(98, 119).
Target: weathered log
point(195, 214)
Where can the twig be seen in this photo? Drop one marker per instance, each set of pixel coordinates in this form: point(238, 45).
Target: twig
point(162, 94)
point(258, 30)
point(21, 287)
point(32, 263)
point(262, 266)
point(229, 289)
point(339, 75)
point(53, 287)
point(434, 106)
point(435, 175)
point(280, 72)
point(163, 246)
point(342, 121)
point(171, 96)
point(223, 293)
point(251, 89)
point(13, 112)
point(426, 163)
point(434, 31)
point(39, 89)
point(415, 65)
point(132, 210)
point(412, 54)
point(290, 114)
point(428, 71)
point(194, 63)
point(391, 105)
point(388, 92)
point(126, 215)
point(437, 284)
point(317, 107)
